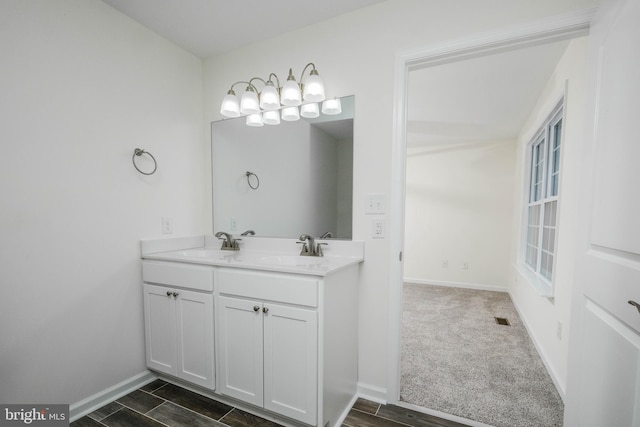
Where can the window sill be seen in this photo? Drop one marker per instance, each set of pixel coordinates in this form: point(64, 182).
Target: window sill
point(541, 287)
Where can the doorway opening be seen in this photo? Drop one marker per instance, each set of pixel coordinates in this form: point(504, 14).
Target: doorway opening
point(410, 65)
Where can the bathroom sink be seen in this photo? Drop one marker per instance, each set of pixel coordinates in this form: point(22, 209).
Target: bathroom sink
point(293, 260)
point(198, 253)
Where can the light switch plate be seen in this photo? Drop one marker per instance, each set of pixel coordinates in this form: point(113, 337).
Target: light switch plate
point(374, 204)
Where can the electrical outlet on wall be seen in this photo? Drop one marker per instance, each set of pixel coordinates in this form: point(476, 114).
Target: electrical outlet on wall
point(377, 228)
point(167, 225)
point(559, 331)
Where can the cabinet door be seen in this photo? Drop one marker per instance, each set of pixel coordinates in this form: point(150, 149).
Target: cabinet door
point(160, 328)
point(291, 362)
point(239, 334)
point(194, 321)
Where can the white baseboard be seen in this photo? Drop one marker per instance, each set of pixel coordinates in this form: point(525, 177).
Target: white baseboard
point(344, 415)
point(552, 372)
point(373, 393)
point(98, 400)
point(443, 415)
point(478, 286)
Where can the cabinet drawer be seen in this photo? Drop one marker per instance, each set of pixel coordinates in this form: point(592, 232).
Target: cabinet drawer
point(268, 286)
point(176, 274)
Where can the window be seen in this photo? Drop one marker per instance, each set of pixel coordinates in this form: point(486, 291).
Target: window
point(542, 207)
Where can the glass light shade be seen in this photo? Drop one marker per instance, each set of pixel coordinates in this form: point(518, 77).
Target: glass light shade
point(249, 102)
point(230, 106)
point(290, 114)
point(254, 120)
point(269, 99)
point(313, 88)
point(271, 117)
point(310, 111)
point(291, 96)
point(331, 107)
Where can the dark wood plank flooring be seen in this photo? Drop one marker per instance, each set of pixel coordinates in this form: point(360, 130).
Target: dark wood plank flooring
point(163, 404)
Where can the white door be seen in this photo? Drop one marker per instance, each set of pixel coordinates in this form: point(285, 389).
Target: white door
point(194, 317)
point(604, 361)
point(160, 328)
point(291, 362)
point(239, 335)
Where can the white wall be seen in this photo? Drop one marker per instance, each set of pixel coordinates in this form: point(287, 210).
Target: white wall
point(82, 86)
point(354, 53)
point(542, 314)
point(459, 207)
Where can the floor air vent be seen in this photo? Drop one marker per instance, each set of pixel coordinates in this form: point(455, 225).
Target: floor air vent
point(502, 321)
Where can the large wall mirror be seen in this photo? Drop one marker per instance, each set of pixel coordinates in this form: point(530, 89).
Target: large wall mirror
point(284, 180)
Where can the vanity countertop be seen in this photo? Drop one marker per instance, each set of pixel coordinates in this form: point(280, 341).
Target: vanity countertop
point(276, 255)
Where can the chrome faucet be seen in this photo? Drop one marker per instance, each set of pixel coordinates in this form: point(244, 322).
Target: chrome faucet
point(249, 233)
point(228, 242)
point(326, 235)
point(309, 246)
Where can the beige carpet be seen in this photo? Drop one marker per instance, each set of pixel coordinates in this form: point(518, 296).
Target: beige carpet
point(458, 360)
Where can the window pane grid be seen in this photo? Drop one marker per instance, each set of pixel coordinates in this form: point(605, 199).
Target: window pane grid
point(537, 171)
point(548, 238)
point(554, 158)
point(533, 237)
point(544, 177)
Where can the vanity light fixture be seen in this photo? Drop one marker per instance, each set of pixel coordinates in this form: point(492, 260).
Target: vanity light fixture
point(290, 114)
point(310, 111)
point(292, 98)
point(332, 107)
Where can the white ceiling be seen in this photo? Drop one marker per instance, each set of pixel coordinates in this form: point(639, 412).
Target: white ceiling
point(210, 27)
point(486, 98)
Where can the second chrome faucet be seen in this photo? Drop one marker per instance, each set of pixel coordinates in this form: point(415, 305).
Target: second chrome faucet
point(309, 246)
point(228, 242)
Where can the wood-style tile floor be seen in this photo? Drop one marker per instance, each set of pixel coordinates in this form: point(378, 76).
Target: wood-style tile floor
point(163, 404)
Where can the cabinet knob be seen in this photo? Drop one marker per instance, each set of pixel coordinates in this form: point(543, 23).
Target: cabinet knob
point(175, 294)
point(265, 310)
point(256, 308)
point(168, 293)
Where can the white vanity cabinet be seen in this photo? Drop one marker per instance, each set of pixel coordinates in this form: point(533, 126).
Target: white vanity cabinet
point(178, 310)
point(268, 356)
point(268, 347)
point(262, 328)
point(279, 349)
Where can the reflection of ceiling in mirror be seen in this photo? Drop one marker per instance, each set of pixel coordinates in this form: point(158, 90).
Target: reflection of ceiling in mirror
point(339, 129)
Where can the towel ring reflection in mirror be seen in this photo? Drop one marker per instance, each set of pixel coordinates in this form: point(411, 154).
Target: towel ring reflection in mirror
point(139, 152)
point(257, 180)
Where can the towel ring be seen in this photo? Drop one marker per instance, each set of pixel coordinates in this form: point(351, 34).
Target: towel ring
point(249, 175)
point(139, 152)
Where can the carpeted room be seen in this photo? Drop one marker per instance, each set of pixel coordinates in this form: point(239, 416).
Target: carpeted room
point(465, 188)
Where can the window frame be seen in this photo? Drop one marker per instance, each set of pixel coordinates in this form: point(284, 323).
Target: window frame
point(542, 177)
